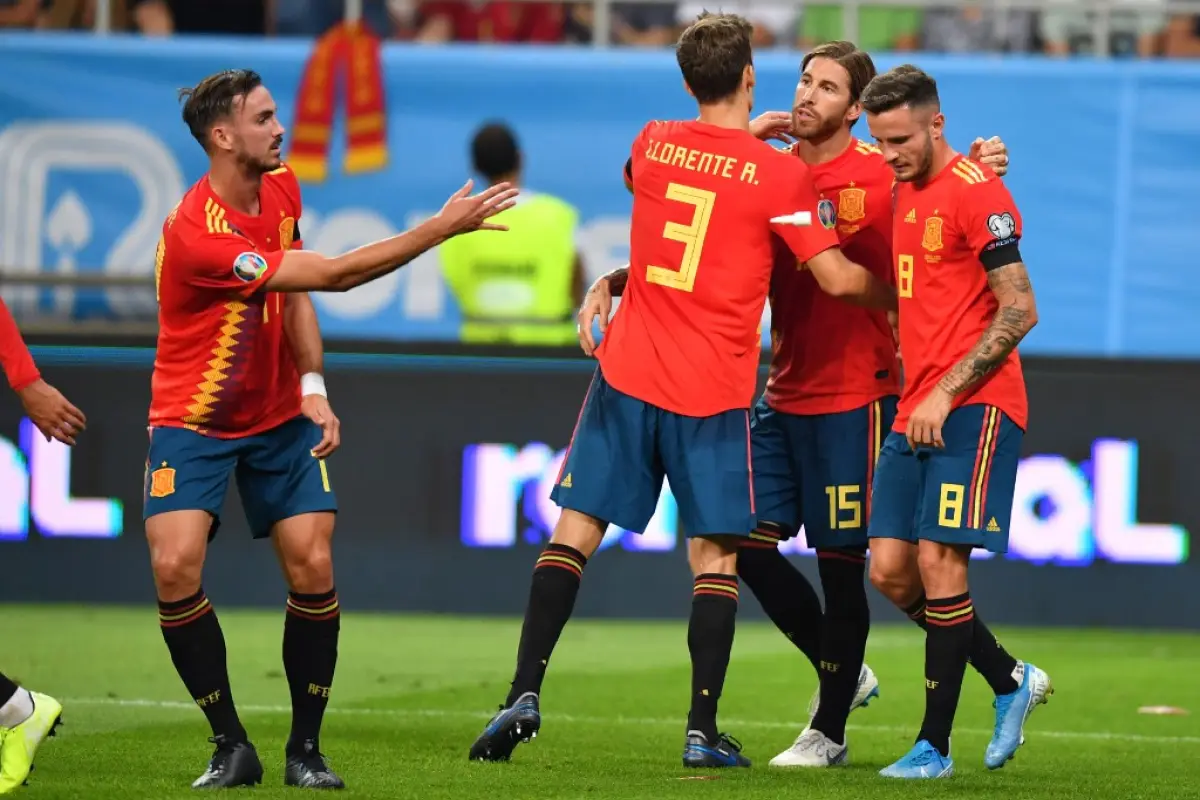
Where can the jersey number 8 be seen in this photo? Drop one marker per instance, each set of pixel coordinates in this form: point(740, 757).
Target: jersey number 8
point(904, 276)
point(690, 235)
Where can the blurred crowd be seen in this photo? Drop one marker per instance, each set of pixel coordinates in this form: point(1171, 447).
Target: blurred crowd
point(965, 27)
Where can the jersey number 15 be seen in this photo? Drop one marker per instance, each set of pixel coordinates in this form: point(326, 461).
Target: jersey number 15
point(690, 235)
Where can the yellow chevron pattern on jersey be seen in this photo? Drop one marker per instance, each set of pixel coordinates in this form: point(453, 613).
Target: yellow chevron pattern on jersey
point(214, 217)
point(970, 172)
point(206, 392)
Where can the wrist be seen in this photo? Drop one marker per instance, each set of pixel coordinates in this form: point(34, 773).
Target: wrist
point(312, 383)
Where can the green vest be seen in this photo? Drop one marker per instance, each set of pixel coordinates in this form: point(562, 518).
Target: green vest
point(516, 286)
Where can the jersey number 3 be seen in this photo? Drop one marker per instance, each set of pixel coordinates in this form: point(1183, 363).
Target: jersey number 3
point(691, 235)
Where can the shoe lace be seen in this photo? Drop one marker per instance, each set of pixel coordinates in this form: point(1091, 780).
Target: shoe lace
point(923, 757)
point(730, 741)
point(313, 759)
point(810, 739)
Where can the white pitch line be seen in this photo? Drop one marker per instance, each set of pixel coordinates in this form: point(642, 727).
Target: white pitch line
point(570, 718)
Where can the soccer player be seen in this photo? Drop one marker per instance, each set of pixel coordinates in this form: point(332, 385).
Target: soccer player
point(26, 720)
point(946, 472)
point(237, 390)
point(677, 373)
point(830, 399)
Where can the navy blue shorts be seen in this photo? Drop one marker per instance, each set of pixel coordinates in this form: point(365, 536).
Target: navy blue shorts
point(277, 475)
point(622, 448)
point(961, 494)
point(815, 470)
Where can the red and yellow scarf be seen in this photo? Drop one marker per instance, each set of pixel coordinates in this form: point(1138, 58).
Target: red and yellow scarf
point(349, 52)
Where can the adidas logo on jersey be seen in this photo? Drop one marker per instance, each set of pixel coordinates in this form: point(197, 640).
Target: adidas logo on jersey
point(799, 219)
point(992, 527)
point(911, 216)
point(566, 482)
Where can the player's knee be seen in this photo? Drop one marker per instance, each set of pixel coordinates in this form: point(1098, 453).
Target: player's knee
point(310, 572)
point(894, 580)
point(178, 541)
point(580, 531)
point(713, 555)
point(177, 573)
point(943, 568)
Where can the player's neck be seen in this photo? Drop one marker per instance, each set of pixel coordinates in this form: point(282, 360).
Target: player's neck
point(235, 188)
point(509, 177)
point(943, 154)
point(733, 113)
point(821, 151)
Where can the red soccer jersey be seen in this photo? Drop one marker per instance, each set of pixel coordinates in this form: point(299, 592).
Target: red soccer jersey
point(707, 204)
point(223, 366)
point(940, 230)
point(829, 356)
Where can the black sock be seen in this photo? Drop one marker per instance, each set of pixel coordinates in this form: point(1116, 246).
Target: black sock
point(552, 595)
point(310, 649)
point(916, 612)
point(193, 635)
point(785, 595)
point(7, 689)
point(988, 657)
point(710, 640)
point(950, 621)
point(992, 661)
point(843, 639)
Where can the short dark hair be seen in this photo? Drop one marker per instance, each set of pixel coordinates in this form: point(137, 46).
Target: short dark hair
point(494, 151)
point(212, 99)
point(713, 53)
point(905, 85)
point(856, 62)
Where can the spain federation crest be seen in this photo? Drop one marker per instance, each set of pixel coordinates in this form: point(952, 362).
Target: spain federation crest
point(827, 213)
point(162, 481)
point(852, 204)
point(932, 240)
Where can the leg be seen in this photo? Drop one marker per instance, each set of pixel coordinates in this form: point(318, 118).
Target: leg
point(609, 474)
point(950, 619)
point(707, 462)
point(287, 495)
point(895, 573)
point(185, 487)
point(711, 627)
point(552, 593)
point(26, 720)
point(838, 470)
point(786, 596)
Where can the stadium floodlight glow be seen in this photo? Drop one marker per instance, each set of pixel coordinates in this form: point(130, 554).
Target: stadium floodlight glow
point(35, 486)
point(1064, 513)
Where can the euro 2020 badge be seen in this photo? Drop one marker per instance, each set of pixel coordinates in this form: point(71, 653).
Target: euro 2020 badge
point(249, 266)
point(827, 213)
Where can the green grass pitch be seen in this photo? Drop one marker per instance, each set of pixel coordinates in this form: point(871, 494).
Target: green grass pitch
point(413, 691)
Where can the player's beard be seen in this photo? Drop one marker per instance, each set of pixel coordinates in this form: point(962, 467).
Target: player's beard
point(259, 166)
point(815, 128)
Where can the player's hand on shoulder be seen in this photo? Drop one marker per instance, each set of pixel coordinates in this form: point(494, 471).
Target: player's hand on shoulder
point(465, 212)
point(775, 125)
point(52, 413)
point(597, 304)
point(992, 152)
point(316, 407)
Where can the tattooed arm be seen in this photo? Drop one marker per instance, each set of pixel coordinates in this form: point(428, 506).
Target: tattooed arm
point(616, 280)
point(1016, 317)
